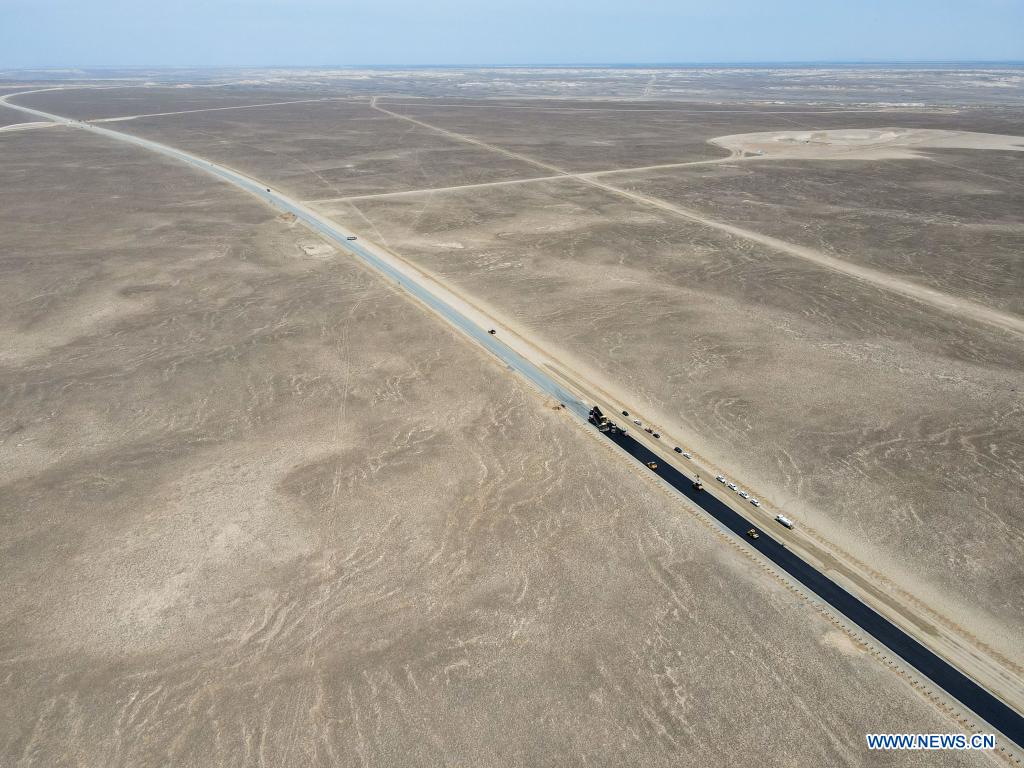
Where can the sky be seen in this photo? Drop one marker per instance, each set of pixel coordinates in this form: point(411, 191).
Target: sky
point(69, 33)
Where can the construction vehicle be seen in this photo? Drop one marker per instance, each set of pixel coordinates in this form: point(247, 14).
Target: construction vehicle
point(752, 533)
point(599, 420)
point(652, 465)
point(697, 484)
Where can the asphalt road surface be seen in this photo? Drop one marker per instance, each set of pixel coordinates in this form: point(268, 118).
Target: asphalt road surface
point(952, 681)
point(955, 683)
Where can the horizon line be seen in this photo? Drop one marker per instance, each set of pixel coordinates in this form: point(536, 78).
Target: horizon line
point(541, 65)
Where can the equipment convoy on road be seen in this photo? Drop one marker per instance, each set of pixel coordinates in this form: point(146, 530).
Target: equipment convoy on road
point(607, 426)
point(776, 550)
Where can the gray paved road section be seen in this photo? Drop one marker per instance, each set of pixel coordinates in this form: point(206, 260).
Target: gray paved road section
point(339, 236)
point(980, 701)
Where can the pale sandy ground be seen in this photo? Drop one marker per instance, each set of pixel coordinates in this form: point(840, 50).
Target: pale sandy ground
point(593, 136)
point(861, 143)
point(274, 514)
point(873, 421)
point(951, 220)
point(865, 478)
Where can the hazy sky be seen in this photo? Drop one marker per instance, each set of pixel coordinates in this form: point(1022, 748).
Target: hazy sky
point(314, 32)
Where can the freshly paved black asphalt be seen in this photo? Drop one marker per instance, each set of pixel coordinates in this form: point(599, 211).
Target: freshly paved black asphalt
point(944, 675)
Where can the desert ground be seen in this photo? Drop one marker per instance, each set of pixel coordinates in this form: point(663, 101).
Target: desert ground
point(10, 117)
point(258, 507)
point(746, 353)
point(841, 86)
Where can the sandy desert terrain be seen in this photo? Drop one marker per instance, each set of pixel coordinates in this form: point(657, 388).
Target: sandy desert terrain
point(259, 508)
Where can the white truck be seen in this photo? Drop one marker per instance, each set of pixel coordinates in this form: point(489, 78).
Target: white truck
point(783, 520)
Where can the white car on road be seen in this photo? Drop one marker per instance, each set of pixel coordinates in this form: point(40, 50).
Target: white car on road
point(720, 478)
point(732, 486)
point(744, 495)
point(755, 502)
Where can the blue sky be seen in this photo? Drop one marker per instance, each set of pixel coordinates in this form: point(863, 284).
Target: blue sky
point(451, 32)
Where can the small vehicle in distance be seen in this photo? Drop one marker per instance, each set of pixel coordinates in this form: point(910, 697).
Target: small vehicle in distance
point(744, 495)
point(351, 237)
point(625, 413)
point(720, 478)
point(785, 521)
point(697, 484)
point(492, 332)
point(687, 455)
point(755, 502)
point(657, 435)
point(637, 422)
point(652, 465)
point(752, 533)
point(649, 430)
point(677, 449)
point(732, 486)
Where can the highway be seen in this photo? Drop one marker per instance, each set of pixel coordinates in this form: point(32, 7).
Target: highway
point(339, 236)
point(980, 701)
point(977, 699)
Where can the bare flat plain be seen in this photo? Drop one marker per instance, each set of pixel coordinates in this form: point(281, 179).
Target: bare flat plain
point(10, 117)
point(906, 85)
point(98, 101)
point(329, 149)
point(258, 508)
point(953, 221)
point(874, 421)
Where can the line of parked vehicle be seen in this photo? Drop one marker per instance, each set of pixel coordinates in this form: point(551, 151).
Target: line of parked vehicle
point(732, 487)
point(652, 433)
point(752, 533)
